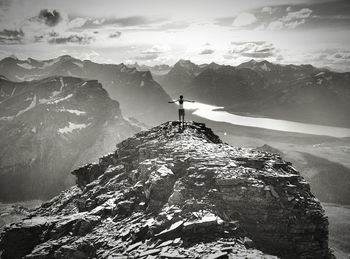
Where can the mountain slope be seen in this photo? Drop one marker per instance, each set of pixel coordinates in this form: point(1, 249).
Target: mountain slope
point(139, 95)
point(175, 81)
point(49, 126)
point(177, 193)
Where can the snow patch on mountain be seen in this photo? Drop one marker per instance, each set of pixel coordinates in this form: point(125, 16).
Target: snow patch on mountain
point(26, 66)
point(76, 112)
point(7, 118)
point(61, 99)
point(265, 67)
point(320, 74)
point(71, 127)
point(79, 64)
point(31, 106)
point(54, 94)
point(48, 63)
point(13, 91)
point(62, 84)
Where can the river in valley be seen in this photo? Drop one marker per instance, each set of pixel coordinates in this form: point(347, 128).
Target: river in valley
point(211, 112)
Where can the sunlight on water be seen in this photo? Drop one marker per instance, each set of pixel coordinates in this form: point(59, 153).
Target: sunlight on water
point(209, 112)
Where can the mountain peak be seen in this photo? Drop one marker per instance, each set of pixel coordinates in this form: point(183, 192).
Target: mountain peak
point(177, 191)
point(185, 64)
point(13, 56)
point(65, 57)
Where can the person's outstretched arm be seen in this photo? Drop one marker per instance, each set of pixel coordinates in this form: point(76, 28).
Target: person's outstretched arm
point(173, 101)
point(189, 101)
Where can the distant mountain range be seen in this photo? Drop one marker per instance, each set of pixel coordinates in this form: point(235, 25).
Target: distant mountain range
point(50, 126)
point(299, 93)
point(138, 94)
point(155, 70)
point(60, 113)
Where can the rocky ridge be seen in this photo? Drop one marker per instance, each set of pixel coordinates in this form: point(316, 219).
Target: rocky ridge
point(173, 192)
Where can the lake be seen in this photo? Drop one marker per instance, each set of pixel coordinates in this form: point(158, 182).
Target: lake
point(210, 112)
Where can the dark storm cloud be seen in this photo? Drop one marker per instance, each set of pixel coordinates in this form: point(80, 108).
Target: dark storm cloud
point(83, 40)
point(116, 34)
point(50, 18)
point(11, 36)
point(207, 52)
point(91, 23)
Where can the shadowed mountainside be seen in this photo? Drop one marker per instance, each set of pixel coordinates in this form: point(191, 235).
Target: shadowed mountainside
point(50, 126)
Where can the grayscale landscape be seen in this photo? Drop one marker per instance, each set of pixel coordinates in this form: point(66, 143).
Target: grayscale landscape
point(96, 163)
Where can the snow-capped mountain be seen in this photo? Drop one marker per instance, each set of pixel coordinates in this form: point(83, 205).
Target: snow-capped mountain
point(139, 95)
point(49, 127)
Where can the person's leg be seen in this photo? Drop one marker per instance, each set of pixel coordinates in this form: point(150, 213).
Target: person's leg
point(183, 117)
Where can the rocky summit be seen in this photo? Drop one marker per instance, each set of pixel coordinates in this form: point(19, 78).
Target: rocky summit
point(177, 192)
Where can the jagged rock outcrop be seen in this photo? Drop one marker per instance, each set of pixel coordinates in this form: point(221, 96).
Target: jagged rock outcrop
point(174, 192)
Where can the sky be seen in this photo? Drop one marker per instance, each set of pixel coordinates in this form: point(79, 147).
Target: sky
point(154, 32)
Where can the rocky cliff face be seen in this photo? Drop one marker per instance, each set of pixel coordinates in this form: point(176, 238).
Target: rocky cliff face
point(50, 126)
point(177, 193)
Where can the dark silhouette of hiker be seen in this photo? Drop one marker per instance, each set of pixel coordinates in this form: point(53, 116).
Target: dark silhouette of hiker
point(181, 108)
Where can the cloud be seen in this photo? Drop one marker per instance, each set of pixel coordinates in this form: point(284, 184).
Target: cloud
point(74, 38)
point(93, 23)
point(248, 42)
point(244, 19)
point(291, 20)
point(338, 59)
point(258, 49)
point(207, 52)
point(153, 52)
point(11, 36)
point(150, 56)
point(50, 18)
point(116, 34)
point(77, 22)
point(267, 9)
point(156, 49)
point(275, 25)
point(301, 14)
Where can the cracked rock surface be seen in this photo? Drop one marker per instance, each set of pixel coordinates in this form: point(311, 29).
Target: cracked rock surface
point(177, 192)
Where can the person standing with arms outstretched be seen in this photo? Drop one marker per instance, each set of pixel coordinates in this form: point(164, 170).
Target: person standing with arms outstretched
point(181, 108)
